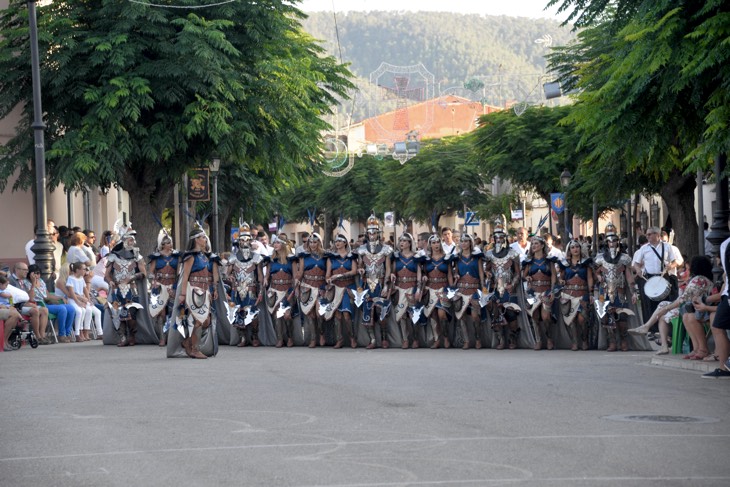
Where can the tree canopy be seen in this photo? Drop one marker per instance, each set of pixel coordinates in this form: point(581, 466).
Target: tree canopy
point(137, 95)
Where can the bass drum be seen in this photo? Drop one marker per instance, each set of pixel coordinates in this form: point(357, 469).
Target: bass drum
point(657, 288)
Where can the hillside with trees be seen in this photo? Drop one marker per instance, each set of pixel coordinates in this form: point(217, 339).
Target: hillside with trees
point(507, 54)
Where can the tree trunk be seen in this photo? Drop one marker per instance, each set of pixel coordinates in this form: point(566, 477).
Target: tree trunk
point(147, 205)
point(678, 194)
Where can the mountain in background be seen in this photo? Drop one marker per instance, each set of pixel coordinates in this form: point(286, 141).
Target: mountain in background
point(496, 60)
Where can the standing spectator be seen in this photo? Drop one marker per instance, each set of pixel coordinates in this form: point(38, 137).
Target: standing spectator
point(655, 258)
point(447, 241)
point(521, 245)
point(721, 323)
point(709, 251)
point(107, 243)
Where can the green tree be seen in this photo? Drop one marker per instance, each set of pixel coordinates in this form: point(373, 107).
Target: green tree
point(652, 94)
point(531, 151)
point(441, 179)
point(135, 95)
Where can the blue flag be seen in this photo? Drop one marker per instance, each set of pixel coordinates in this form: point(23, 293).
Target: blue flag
point(557, 201)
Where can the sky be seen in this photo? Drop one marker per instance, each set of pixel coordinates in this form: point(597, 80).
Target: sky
point(514, 8)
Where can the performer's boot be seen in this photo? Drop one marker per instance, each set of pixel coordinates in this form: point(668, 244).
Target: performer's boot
point(582, 333)
point(255, 335)
point(384, 335)
point(537, 327)
point(122, 332)
point(477, 332)
point(435, 329)
point(338, 333)
point(279, 328)
point(310, 328)
point(464, 333)
point(241, 337)
point(611, 339)
point(404, 333)
point(320, 330)
point(353, 332)
point(623, 335)
point(194, 341)
point(514, 335)
point(159, 326)
point(549, 335)
point(573, 332)
point(132, 325)
point(414, 334)
point(499, 332)
point(371, 337)
point(290, 332)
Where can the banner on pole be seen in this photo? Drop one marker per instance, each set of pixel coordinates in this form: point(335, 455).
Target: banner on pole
point(199, 184)
point(389, 219)
point(557, 201)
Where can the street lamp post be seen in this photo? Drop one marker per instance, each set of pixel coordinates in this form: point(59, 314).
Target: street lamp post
point(42, 247)
point(565, 178)
point(215, 166)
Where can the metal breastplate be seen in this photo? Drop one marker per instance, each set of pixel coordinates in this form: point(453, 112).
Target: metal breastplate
point(502, 270)
point(245, 275)
point(374, 269)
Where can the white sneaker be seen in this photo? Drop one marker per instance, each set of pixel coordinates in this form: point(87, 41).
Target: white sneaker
point(662, 351)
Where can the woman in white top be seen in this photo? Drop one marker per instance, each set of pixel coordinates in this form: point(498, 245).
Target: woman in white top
point(78, 298)
point(78, 252)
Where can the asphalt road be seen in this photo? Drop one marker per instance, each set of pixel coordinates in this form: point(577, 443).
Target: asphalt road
point(93, 415)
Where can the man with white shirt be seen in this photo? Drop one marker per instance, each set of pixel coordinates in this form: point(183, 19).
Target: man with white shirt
point(521, 245)
point(655, 258)
point(447, 241)
point(553, 252)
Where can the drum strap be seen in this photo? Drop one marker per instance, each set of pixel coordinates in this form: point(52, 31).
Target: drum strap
point(660, 257)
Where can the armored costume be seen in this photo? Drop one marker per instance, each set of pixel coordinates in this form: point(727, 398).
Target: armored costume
point(374, 265)
point(502, 267)
point(613, 269)
point(538, 274)
point(436, 272)
point(163, 267)
point(406, 280)
point(577, 282)
point(199, 283)
point(280, 292)
point(469, 279)
point(341, 276)
point(244, 274)
point(125, 269)
point(312, 271)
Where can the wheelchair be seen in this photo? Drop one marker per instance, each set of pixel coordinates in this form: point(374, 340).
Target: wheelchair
point(22, 332)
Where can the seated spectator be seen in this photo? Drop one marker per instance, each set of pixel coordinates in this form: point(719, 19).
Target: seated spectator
point(79, 252)
point(65, 313)
point(37, 315)
point(8, 314)
point(699, 286)
point(91, 242)
point(76, 289)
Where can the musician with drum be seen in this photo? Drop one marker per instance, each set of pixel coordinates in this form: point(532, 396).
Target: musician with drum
point(652, 263)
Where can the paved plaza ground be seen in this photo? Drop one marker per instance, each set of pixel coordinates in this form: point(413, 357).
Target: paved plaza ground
point(93, 415)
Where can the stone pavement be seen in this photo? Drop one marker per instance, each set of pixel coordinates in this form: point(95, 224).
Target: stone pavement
point(92, 415)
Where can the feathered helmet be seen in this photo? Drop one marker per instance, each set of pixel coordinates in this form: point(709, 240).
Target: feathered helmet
point(610, 232)
point(123, 231)
point(163, 237)
point(373, 224)
point(244, 231)
point(499, 228)
point(314, 237)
